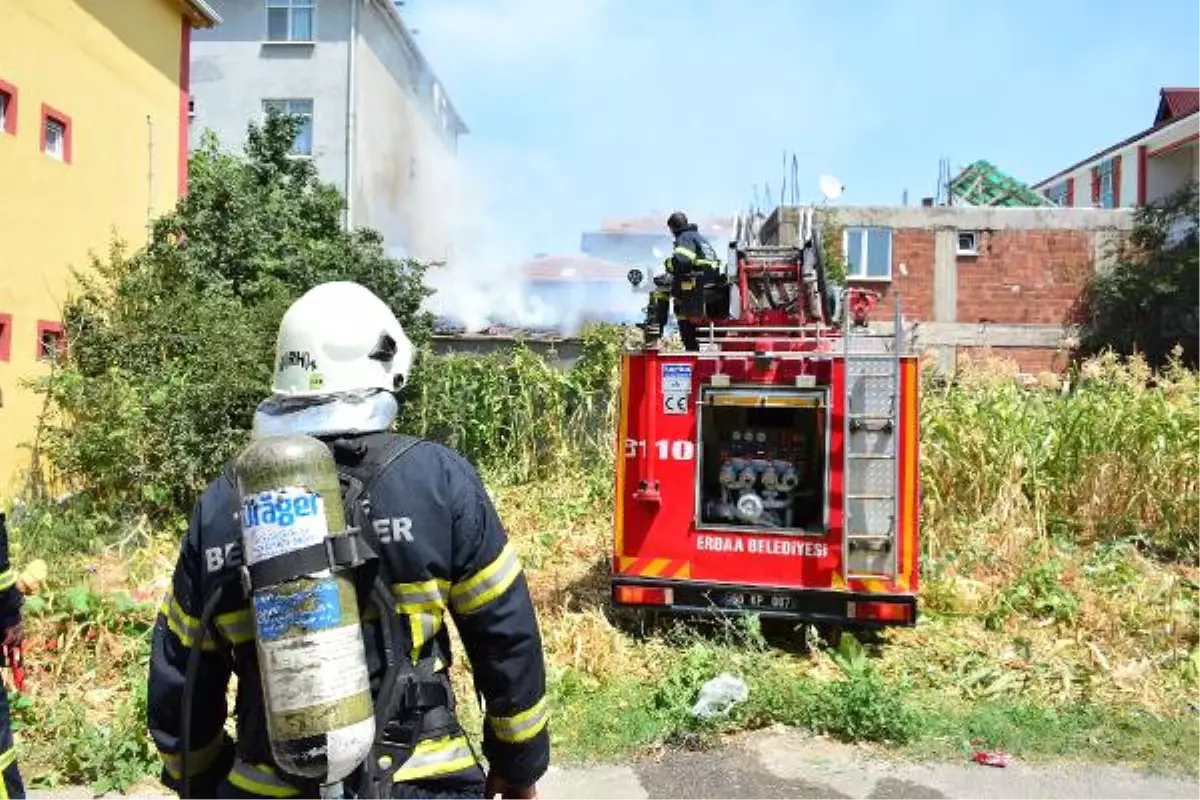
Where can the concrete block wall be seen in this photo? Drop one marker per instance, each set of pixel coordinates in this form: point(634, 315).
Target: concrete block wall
point(1017, 297)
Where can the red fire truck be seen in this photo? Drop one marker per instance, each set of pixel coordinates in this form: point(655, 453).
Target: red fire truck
point(774, 471)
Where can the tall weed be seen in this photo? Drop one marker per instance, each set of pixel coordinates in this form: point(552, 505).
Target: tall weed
point(1111, 454)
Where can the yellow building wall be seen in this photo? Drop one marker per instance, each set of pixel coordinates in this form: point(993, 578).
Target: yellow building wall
point(114, 69)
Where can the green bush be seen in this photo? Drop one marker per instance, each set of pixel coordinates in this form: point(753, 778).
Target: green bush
point(1147, 303)
point(515, 415)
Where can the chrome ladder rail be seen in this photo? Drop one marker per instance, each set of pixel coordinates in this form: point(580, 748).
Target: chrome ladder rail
point(871, 430)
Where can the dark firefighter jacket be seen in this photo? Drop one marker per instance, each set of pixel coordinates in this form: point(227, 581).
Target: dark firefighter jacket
point(11, 601)
point(444, 550)
point(10, 596)
point(692, 254)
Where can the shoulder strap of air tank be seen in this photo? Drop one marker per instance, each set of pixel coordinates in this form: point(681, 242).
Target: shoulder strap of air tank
point(230, 474)
point(374, 452)
point(382, 449)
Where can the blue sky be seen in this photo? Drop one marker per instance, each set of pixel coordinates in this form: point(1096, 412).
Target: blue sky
point(581, 110)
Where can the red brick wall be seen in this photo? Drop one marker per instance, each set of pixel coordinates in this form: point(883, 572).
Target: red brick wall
point(1030, 360)
point(1023, 276)
point(912, 247)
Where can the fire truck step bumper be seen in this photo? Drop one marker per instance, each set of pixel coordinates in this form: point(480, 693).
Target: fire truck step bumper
point(809, 605)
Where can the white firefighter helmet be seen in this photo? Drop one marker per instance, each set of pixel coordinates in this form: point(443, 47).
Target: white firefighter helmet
point(340, 337)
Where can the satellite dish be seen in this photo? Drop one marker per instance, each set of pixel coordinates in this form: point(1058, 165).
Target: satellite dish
point(831, 187)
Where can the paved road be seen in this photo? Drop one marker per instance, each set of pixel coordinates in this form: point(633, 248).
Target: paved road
point(779, 763)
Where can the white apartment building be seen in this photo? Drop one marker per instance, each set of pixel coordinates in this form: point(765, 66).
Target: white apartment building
point(1145, 167)
point(378, 123)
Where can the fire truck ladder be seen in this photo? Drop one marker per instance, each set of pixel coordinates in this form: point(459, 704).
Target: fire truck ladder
point(872, 423)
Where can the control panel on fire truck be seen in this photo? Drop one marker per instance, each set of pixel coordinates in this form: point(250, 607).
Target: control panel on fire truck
point(763, 467)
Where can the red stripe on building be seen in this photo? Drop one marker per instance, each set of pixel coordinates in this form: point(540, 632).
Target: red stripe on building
point(185, 60)
point(1141, 176)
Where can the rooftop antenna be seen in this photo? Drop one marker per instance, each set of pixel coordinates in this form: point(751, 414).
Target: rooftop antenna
point(783, 181)
point(943, 197)
point(795, 181)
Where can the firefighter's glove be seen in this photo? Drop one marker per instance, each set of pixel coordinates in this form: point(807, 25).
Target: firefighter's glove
point(662, 281)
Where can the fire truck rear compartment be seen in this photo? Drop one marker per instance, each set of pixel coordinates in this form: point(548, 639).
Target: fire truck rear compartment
point(763, 461)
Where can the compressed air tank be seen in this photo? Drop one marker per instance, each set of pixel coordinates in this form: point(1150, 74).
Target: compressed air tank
point(315, 684)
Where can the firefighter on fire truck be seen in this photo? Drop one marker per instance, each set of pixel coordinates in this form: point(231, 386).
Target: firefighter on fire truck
point(691, 269)
point(341, 355)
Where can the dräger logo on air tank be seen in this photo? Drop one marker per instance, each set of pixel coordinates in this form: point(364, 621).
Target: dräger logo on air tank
point(280, 509)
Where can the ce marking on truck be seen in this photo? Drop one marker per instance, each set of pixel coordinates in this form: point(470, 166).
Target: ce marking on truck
point(675, 403)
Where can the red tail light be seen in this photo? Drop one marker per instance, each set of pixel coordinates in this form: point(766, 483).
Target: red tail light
point(880, 612)
point(644, 596)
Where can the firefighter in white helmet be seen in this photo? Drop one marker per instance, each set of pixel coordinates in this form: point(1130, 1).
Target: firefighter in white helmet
point(340, 357)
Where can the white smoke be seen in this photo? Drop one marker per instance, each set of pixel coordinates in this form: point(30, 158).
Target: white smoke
point(479, 277)
point(453, 203)
point(449, 223)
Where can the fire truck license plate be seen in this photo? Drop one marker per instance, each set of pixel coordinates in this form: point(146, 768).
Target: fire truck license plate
point(762, 601)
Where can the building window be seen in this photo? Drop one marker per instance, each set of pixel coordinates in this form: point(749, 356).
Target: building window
point(1107, 196)
point(967, 243)
point(1058, 194)
point(51, 342)
point(868, 253)
point(5, 337)
point(290, 20)
point(56, 134)
point(56, 138)
point(303, 144)
point(8, 108)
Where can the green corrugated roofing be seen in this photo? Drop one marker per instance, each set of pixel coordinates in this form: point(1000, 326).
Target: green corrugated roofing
point(981, 184)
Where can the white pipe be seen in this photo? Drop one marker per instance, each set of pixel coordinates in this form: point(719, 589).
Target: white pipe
point(351, 107)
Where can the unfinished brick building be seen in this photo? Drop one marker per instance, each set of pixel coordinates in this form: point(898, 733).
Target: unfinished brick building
point(970, 279)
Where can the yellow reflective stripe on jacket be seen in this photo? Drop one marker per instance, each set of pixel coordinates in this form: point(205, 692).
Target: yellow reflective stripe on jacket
point(521, 727)
point(441, 756)
point(260, 779)
point(427, 595)
point(236, 626)
point(6, 760)
point(183, 625)
point(423, 626)
point(684, 253)
point(424, 603)
point(7, 578)
point(198, 761)
point(486, 585)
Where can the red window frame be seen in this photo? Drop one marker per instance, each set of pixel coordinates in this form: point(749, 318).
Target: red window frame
point(10, 116)
point(51, 113)
point(5, 337)
point(46, 326)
